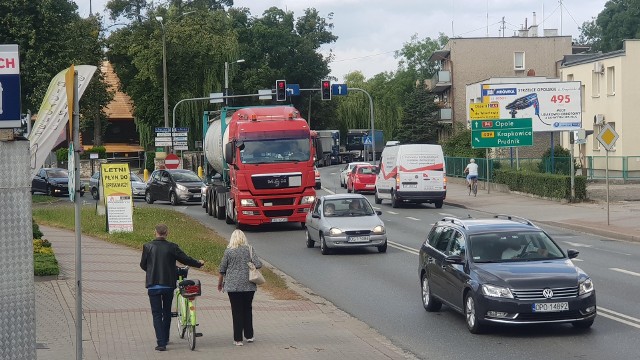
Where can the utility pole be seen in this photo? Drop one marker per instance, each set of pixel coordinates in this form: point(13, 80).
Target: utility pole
point(503, 26)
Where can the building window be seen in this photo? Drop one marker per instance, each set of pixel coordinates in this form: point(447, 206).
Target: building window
point(611, 80)
point(570, 77)
point(595, 84)
point(518, 60)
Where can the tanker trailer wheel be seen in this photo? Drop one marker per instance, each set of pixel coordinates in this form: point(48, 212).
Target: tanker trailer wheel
point(210, 209)
point(219, 209)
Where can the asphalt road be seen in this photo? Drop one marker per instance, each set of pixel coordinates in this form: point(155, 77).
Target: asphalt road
point(383, 290)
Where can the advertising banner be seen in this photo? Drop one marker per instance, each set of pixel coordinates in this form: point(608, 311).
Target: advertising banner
point(53, 115)
point(9, 86)
point(116, 182)
point(553, 106)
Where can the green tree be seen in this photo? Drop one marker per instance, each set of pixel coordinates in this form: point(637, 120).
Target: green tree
point(414, 55)
point(619, 20)
point(419, 118)
point(459, 145)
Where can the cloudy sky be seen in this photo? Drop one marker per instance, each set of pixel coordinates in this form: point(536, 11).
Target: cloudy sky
point(370, 31)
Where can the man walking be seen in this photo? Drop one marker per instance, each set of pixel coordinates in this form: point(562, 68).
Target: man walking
point(159, 261)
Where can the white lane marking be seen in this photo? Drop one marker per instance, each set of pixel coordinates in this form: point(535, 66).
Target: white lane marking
point(412, 218)
point(575, 244)
point(618, 314)
point(446, 214)
point(625, 271)
point(392, 212)
point(577, 260)
point(403, 247)
point(604, 312)
point(327, 190)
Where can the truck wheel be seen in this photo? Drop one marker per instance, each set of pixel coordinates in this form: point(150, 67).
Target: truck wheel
point(210, 208)
point(376, 198)
point(394, 200)
point(438, 204)
point(219, 210)
point(228, 219)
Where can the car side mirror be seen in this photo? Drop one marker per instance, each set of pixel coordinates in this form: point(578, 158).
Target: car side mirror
point(572, 254)
point(315, 215)
point(378, 212)
point(454, 259)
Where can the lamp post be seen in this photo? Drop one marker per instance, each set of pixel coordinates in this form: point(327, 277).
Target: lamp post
point(226, 78)
point(164, 73)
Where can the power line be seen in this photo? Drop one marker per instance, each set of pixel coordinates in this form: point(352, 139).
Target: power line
point(553, 12)
point(569, 12)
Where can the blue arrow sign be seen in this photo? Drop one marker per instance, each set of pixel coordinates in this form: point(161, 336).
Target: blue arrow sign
point(339, 89)
point(293, 89)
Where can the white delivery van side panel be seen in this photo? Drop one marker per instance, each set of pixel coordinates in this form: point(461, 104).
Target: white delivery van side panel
point(386, 179)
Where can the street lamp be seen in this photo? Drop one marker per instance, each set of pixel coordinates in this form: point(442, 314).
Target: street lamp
point(164, 73)
point(226, 78)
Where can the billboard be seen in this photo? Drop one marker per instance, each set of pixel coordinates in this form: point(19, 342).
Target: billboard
point(116, 181)
point(9, 86)
point(553, 106)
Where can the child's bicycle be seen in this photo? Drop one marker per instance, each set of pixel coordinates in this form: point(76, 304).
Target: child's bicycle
point(473, 187)
point(186, 294)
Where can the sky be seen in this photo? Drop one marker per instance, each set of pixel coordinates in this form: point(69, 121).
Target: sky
point(370, 31)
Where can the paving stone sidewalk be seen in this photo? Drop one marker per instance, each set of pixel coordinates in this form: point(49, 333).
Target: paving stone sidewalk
point(117, 320)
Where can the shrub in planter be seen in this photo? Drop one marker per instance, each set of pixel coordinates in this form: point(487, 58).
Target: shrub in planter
point(546, 185)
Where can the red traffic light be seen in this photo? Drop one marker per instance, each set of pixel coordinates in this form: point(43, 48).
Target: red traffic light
point(325, 84)
point(281, 84)
point(281, 90)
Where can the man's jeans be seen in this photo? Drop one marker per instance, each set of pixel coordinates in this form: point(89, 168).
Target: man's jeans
point(161, 300)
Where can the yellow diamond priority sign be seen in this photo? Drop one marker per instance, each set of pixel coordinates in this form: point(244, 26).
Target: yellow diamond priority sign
point(607, 137)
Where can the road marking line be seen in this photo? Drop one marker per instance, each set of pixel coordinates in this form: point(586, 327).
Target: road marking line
point(625, 271)
point(329, 191)
point(412, 218)
point(392, 212)
point(403, 247)
point(600, 313)
point(575, 244)
point(446, 214)
point(577, 260)
point(619, 314)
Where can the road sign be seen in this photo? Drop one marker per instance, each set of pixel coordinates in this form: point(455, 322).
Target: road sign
point(484, 111)
point(9, 87)
point(181, 147)
point(163, 130)
point(607, 137)
point(215, 98)
point(339, 89)
point(501, 133)
point(265, 94)
point(71, 185)
point(172, 161)
point(293, 89)
point(164, 141)
point(366, 140)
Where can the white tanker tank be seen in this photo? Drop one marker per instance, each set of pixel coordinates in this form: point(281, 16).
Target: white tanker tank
point(214, 144)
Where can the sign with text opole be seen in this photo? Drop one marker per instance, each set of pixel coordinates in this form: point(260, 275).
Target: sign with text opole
point(115, 178)
point(553, 106)
point(501, 133)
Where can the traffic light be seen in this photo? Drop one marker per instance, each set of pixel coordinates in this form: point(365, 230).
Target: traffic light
point(325, 89)
point(281, 90)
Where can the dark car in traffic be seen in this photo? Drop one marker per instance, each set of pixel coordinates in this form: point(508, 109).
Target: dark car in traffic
point(503, 270)
point(175, 186)
point(53, 182)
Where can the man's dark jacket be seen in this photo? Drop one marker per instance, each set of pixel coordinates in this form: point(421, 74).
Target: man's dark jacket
point(159, 261)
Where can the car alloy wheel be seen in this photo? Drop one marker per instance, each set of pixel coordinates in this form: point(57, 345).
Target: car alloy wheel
point(382, 248)
point(49, 191)
point(428, 301)
point(376, 198)
point(94, 193)
point(471, 315)
point(323, 246)
point(310, 243)
point(173, 198)
point(148, 197)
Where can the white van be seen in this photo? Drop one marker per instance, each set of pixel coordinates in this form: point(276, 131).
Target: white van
point(412, 173)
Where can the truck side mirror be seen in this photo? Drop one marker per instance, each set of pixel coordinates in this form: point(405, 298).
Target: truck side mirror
point(228, 152)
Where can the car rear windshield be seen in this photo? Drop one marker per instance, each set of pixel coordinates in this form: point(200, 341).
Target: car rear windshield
point(513, 246)
point(57, 173)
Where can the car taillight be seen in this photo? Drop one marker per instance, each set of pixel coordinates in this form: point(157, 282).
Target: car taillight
point(397, 182)
point(444, 180)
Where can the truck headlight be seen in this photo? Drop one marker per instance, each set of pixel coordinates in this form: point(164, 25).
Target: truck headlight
point(378, 229)
point(585, 287)
point(496, 291)
point(307, 200)
point(181, 188)
point(247, 202)
point(335, 231)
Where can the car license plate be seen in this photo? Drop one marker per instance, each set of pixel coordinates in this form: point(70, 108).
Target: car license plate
point(359, 239)
point(410, 185)
point(279, 220)
point(196, 195)
point(550, 307)
point(370, 185)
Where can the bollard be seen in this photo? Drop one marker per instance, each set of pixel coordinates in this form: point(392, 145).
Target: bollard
point(146, 175)
point(200, 172)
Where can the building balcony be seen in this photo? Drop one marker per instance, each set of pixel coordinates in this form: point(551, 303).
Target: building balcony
point(441, 81)
point(445, 115)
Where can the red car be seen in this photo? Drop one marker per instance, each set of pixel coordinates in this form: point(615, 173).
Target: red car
point(362, 178)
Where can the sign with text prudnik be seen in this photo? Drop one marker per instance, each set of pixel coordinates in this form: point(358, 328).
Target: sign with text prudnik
point(553, 106)
point(117, 197)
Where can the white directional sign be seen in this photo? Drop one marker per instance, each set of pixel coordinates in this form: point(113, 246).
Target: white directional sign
point(216, 98)
point(607, 137)
point(265, 94)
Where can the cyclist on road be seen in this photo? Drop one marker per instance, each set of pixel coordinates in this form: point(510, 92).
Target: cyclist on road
point(472, 171)
point(159, 261)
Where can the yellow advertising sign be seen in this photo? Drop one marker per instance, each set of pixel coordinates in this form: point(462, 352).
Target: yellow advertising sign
point(69, 84)
point(484, 111)
point(116, 182)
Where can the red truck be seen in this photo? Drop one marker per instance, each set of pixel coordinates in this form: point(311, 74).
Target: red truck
point(259, 165)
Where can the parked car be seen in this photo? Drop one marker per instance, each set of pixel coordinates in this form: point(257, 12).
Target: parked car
point(318, 180)
point(344, 221)
point(138, 186)
point(53, 182)
point(362, 179)
point(344, 173)
point(175, 186)
point(503, 270)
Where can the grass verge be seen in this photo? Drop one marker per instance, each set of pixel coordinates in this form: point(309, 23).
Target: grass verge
point(193, 238)
point(44, 199)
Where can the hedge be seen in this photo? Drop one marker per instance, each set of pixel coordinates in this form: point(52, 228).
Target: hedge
point(546, 185)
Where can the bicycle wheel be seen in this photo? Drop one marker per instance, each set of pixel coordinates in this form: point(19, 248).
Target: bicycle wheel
point(191, 336)
point(182, 319)
point(475, 188)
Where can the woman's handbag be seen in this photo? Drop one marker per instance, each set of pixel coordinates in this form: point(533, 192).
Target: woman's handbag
point(255, 276)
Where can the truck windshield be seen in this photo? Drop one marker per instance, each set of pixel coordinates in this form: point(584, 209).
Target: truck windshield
point(275, 150)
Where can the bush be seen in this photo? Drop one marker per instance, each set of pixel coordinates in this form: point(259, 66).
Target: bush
point(37, 234)
point(546, 185)
point(100, 150)
point(62, 155)
point(459, 145)
point(44, 261)
point(561, 163)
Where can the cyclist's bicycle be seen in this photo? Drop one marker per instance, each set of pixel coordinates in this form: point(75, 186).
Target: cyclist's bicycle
point(473, 187)
point(186, 294)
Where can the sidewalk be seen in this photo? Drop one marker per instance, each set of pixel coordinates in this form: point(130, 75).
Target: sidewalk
point(588, 217)
point(117, 317)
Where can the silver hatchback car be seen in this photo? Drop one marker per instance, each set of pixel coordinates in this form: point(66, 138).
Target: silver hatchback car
point(344, 221)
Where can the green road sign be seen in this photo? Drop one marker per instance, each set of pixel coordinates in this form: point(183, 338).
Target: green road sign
point(501, 133)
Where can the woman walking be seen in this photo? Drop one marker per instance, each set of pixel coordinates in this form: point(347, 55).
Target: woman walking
point(234, 279)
